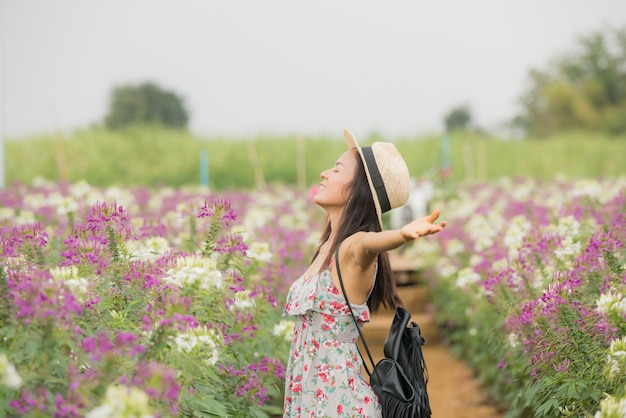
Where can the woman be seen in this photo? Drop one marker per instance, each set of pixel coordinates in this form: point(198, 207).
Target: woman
point(324, 376)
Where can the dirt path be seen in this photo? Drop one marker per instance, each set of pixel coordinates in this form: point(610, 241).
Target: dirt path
point(452, 389)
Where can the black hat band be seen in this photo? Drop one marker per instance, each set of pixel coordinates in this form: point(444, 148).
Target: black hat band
point(377, 180)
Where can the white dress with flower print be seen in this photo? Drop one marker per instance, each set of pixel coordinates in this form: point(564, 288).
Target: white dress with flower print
point(324, 377)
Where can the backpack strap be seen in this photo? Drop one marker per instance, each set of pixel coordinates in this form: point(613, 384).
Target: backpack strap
point(358, 327)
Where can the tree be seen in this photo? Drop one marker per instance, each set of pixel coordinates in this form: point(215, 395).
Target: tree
point(458, 118)
point(585, 89)
point(145, 103)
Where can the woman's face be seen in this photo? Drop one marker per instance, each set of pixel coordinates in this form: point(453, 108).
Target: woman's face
point(334, 190)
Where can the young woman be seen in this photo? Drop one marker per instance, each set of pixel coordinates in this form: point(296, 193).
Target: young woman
point(324, 376)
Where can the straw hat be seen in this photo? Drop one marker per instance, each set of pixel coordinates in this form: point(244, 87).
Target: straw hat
point(387, 174)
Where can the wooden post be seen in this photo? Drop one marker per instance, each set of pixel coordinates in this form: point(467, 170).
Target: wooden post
point(481, 160)
point(468, 161)
point(59, 155)
point(301, 162)
point(256, 165)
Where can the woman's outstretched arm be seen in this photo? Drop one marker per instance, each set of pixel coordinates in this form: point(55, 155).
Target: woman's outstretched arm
point(367, 246)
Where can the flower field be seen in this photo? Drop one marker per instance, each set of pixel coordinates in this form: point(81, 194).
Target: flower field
point(139, 303)
point(529, 282)
point(145, 302)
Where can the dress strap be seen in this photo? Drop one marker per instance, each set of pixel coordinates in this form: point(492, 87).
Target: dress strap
point(345, 295)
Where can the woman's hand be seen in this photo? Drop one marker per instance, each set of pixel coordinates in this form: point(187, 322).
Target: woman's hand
point(422, 227)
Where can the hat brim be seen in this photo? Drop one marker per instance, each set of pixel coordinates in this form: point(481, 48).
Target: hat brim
point(353, 144)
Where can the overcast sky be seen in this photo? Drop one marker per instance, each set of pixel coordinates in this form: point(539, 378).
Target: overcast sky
point(285, 66)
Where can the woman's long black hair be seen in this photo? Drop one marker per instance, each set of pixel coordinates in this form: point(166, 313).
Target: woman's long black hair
point(360, 215)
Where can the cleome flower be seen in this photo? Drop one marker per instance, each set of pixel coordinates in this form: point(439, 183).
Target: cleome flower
point(467, 277)
point(68, 275)
point(259, 251)
point(284, 329)
point(8, 375)
point(206, 339)
point(610, 407)
point(243, 300)
point(519, 226)
point(454, 247)
point(611, 301)
point(195, 271)
point(122, 401)
point(616, 360)
point(150, 248)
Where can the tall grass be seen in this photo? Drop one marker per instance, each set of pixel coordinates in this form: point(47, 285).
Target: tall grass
point(155, 156)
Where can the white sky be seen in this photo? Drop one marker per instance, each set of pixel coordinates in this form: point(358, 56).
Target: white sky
point(284, 66)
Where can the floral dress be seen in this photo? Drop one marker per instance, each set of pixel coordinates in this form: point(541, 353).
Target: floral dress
point(323, 376)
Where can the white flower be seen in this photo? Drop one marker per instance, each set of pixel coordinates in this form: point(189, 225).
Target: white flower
point(466, 277)
point(620, 306)
point(284, 329)
point(40, 181)
point(540, 279)
point(8, 375)
point(243, 301)
point(150, 249)
point(259, 251)
point(120, 316)
point(522, 191)
point(63, 273)
point(514, 235)
point(454, 246)
point(616, 358)
point(185, 342)
point(586, 188)
point(102, 411)
point(611, 301)
point(35, 200)
point(25, 217)
point(478, 226)
point(121, 401)
point(483, 243)
point(80, 189)
point(195, 269)
point(500, 264)
point(567, 227)
point(446, 268)
point(122, 196)
point(65, 205)
point(475, 259)
point(78, 286)
point(513, 340)
point(611, 408)
point(258, 217)
point(206, 339)
point(6, 214)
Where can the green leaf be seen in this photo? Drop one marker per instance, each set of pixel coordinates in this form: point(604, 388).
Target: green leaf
point(548, 408)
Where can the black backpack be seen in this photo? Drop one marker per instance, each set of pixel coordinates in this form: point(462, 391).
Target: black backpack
point(399, 380)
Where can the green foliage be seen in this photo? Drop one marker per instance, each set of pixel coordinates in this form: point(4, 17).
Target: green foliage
point(585, 89)
point(155, 156)
point(458, 118)
point(145, 103)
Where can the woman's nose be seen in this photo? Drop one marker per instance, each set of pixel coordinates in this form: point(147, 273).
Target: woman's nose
point(323, 174)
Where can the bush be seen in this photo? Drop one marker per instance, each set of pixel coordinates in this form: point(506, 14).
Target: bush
point(145, 104)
